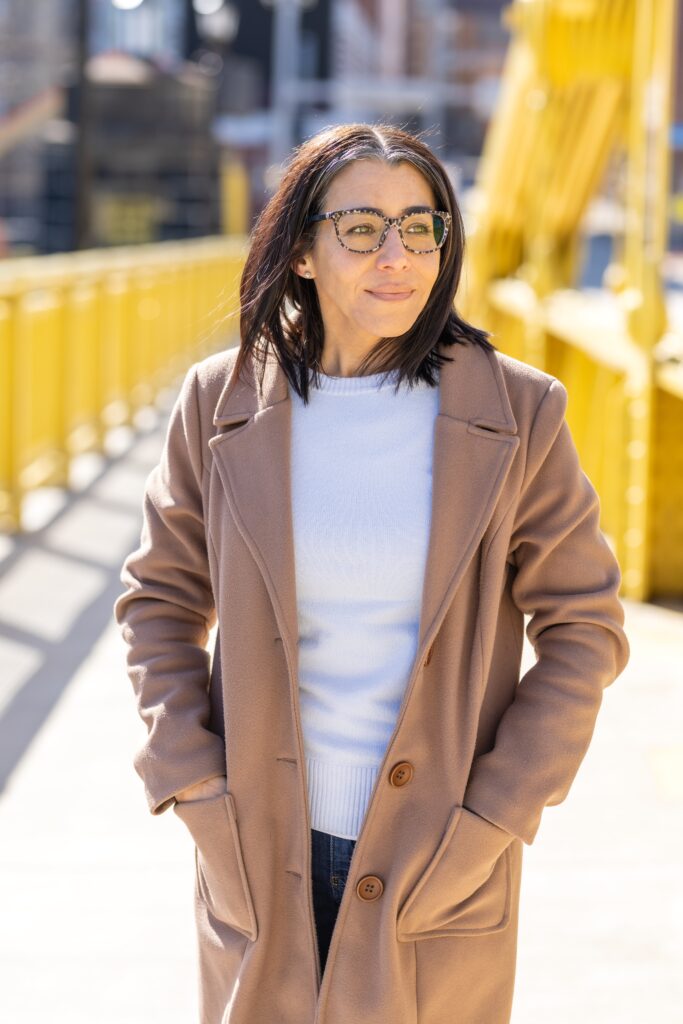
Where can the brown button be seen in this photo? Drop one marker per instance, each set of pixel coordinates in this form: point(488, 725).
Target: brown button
point(401, 773)
point(429, 656)
point(370, 887)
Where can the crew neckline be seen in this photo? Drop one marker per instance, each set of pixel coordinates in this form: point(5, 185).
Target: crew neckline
point(354, 385)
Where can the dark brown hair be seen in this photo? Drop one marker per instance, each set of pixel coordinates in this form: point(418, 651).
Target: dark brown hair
point(278, 308)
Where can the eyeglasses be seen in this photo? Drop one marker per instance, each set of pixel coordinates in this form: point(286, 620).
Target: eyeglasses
point(364, 229)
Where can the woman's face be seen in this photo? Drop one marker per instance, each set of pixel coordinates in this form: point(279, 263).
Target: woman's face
point(354, 288)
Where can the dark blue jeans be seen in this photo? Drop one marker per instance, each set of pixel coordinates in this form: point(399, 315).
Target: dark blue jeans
point(331, 857)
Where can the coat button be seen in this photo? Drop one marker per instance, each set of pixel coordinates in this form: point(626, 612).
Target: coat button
point(370, 887)
point(401, 773)
point(429, 656)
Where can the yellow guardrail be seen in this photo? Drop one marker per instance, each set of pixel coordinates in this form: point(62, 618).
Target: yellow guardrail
point(88, 338)
point(626, 416)
point(587, 91)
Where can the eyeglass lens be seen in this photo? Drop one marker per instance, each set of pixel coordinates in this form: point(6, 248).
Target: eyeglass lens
point(362, 231)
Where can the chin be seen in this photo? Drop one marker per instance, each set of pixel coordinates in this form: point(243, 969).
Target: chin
point(389, 326)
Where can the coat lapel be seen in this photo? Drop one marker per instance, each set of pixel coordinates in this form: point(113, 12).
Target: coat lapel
point(253, 461)
point(474, 443)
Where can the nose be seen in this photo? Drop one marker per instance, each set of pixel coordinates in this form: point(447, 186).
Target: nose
point(392, 248)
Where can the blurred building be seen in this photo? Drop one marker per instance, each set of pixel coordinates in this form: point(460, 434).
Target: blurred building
point(421, 64)
point(154, 160)
point(154, 29)
point(173, 82)
point(477, 44)
point(35, 53)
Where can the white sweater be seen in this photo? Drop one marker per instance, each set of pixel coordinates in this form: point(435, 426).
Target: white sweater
point(361, 503)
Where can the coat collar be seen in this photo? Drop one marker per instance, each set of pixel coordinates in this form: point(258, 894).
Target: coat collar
point(470, 388)
point(475, 441)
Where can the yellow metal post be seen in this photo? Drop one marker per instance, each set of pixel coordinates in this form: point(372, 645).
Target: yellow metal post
point(9, 504)
point(235, 200)
point(645, 245)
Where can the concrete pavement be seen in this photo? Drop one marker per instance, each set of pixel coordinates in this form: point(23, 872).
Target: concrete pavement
point(96, 894)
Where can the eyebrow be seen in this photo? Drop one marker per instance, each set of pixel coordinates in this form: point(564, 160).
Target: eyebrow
point(408, 209)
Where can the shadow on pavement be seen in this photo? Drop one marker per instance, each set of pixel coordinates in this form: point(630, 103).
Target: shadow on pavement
point(58, 585)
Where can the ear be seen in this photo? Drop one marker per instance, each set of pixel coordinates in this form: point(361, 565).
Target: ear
point(302, 267)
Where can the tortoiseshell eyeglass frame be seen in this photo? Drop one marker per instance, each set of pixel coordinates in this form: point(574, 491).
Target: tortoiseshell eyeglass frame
point(334, 216)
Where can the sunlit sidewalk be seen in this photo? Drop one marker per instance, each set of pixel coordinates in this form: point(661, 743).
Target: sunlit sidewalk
point(96, 894)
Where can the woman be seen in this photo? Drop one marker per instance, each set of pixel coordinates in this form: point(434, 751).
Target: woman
point(367, 497)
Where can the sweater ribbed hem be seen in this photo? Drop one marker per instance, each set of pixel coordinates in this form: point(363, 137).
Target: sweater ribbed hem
point(338, 796)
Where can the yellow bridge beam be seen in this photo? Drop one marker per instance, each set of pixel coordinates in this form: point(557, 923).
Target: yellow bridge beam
point(586, 93)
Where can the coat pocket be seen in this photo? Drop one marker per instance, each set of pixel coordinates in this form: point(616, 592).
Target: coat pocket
point(466, 887)
point(221, 875)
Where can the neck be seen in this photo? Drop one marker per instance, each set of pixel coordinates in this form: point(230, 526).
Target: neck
point(342, 362)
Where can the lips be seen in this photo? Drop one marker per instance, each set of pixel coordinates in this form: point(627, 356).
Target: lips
point(393, 296)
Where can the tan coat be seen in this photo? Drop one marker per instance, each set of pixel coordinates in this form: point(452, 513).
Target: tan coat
point(427, 928)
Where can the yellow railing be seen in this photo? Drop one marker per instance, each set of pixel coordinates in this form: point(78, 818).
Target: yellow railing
point(587, 88)
point(88, 338)
point(630, 448)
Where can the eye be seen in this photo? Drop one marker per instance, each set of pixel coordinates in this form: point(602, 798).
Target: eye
point(361, 229)
point(360, 225)
point(422, 224)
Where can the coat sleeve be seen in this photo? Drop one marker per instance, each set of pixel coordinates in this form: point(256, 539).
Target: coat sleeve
point(567, 580)
point(166, 613)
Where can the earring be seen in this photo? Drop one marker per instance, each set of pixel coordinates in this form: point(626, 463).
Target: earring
point(308, 274)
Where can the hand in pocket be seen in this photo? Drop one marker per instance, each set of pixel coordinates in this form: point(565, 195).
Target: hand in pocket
point(466, 859)
point(221, 873)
